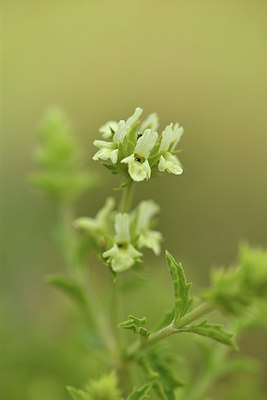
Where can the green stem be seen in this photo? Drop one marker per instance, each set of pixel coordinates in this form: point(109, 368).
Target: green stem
point(169, 330)
point(126, 201)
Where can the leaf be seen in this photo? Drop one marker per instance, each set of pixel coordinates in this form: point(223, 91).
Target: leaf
point(181, 288)
point(136, 325)
point(141, 393)
point(167, 381)
point(77, 394)
point(112, 168)
point(70, 287)
point(212, 331)
point(167, 319)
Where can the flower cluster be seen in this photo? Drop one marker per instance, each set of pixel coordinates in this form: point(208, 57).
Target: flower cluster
point(137, 148)
point(123, 235)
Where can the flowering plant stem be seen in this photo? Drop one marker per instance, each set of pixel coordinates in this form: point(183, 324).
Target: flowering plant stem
point(118, 236)
point(127, 197)
point(169, 330)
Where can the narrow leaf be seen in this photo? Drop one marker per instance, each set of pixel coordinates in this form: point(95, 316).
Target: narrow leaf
point(70, 287)
point(212, 331)
point(181, 288)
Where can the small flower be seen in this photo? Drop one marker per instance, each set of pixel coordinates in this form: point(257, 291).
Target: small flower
point(168, 161)
point(108, 129)
point(151, 122)
point(97, 225)
point(122, 255)
point(109, 150)
point(147, 237)
point(138, 165)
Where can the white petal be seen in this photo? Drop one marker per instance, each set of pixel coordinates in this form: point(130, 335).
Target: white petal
point(88, 224)
point(122, 259)
point(102, 144)
point(151, 122)
point(173, 164)
point(107, 128)
point(105, 154)
point(128, 160)
point(120, 132)
point(134, 118)
point(162, 164)
point(146, 211)
point(139, 171)
point(146, 143)
point(113, 252)
point(106, 210)
point(167, 138)
point(122, 228)
point(178, 132)
point(97, 224)
point(150, 239)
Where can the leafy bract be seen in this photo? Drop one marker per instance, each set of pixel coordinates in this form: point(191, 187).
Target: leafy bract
point(141, 393)
point(60, 175)
point(181, 288)
point(167, 381)
point(213, 331)
point(136, 325)
point(77, 394)
point(104, 388)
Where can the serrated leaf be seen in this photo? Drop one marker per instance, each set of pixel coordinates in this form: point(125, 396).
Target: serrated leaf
point(167, 381)
point(136, 325)
point(181, 288)
point(69, 287)
point(213, 331)
point(141, 393)
point(77, 394)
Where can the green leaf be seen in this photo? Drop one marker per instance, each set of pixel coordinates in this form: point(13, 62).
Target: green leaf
point(136, 325)
point(113, 168)
point(181, 288)
point(127, 146)
point(70, 287)
point(167, 319)
point(212, 331)
point(167, 381)
point(141, 393)
point(77, 394)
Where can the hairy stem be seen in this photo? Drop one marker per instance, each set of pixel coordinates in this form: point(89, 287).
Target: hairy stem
point(169, 330)
point(126, 200)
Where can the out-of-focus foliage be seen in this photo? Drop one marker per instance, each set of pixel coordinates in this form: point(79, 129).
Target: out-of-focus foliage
point(59, 159)
point(236, 289)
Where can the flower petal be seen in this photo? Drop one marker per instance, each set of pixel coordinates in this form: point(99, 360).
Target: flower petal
point(151, 122)
point(146, 211)
point(150, 239)
point(171, 164)
point(178, 132)
point(138, 171)
point(107, 129)
point(122, 228)
point(146, 143)
point(105, 154)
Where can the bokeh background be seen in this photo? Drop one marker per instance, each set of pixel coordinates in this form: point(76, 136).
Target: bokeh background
point(201, 63)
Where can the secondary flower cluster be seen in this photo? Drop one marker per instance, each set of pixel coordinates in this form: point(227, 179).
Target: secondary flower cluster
point(139, 146)
point(122, 235)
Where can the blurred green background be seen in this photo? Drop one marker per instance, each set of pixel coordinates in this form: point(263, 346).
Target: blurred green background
point(201, 63)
